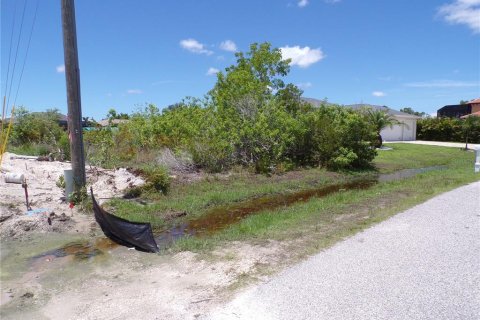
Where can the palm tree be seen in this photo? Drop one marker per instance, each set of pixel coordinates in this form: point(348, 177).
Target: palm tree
point(380, 119)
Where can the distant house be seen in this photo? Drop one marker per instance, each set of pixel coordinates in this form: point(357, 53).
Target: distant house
point(62, 119)
point(112, 122)
point(459, 110)
point(405, 131)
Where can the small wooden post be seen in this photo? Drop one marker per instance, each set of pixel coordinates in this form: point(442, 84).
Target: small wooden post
point(72, 75)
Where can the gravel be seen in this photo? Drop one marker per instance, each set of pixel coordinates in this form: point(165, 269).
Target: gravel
point(423, 263)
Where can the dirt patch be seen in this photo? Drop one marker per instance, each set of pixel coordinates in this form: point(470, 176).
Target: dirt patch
point(51, 211)
point(133, 285)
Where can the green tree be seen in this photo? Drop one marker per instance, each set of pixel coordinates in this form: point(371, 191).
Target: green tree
point(249, 83)
point(112, 114)
point(468, 125)
point(411, 111)
point(39, 132)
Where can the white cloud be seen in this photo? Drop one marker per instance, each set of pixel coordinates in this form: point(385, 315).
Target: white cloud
point(134, 91)
point(61, 68)
point(443, 84)
point(462, 12)
point(302, 57)
point(302, 3)
point(228, 45)
point(304, 85)
point(194, 46)
point(212, 71)
point(378, 94)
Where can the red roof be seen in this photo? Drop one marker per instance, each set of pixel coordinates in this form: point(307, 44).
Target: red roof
point(474, 101)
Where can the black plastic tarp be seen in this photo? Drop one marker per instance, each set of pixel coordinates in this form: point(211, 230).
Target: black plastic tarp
point(124, 232)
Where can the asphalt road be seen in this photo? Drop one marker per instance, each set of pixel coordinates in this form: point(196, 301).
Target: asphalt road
point(423, 263)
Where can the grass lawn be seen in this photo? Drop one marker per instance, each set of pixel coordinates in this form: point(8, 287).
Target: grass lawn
point(314, 224)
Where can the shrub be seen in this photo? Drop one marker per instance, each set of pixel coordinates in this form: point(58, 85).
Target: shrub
point(157, 179)
point(39, 133)
point(449, 129)
point(99, 147)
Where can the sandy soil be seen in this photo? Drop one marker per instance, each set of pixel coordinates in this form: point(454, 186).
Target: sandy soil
point(44, 195)
point(118, 283)
point(126, 284)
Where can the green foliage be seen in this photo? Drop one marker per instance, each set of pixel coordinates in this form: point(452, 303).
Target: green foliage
point(64, 146)
point(132, 193)
point(38, 133)
point(249, 84)
point(380, 120)
point(251, 118)
point(157, 179)
point(112, 114)
point(61, 182)
point(449, 129)
point(411, 111)
point(99, 147)
point(80, 198)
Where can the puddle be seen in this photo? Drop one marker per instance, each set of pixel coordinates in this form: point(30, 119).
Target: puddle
point(78, 250)
point(407, 173)
point(220, 218)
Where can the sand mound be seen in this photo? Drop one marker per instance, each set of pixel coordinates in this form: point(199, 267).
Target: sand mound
point(53, 212)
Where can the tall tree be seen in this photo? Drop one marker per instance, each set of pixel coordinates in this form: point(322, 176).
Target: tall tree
point(248, 84)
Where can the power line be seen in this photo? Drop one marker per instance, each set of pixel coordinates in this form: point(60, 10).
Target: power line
point(26, 53)
point(10, 51)
point(16, 52)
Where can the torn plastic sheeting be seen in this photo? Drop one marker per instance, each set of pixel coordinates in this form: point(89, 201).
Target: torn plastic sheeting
point(38, 211)
point(124, 232)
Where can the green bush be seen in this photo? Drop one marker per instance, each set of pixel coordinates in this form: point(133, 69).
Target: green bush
point(449, 129)
point(99, 146)
point(39, 133)
point(158, 179)
point(250, 119)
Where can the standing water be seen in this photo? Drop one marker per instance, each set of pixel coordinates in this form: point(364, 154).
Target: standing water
point(222, 217)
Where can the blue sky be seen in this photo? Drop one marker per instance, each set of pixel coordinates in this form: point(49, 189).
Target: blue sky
point(410, 53)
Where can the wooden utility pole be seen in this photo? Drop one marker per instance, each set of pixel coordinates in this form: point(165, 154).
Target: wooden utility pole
point(72, 75)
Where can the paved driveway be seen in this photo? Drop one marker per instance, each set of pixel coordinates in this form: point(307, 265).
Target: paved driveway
point(423, 263)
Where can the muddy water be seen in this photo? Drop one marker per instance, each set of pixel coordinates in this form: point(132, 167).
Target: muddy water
point(222, 217)
point(79, 250)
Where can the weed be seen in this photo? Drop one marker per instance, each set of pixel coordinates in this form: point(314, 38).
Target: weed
point(61, 182)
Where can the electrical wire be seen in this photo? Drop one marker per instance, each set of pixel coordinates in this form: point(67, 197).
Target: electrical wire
point(26, 53)
point(10, 51)
point(16, 52)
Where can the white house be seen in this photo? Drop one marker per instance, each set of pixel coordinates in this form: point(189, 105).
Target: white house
point(405, 131)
